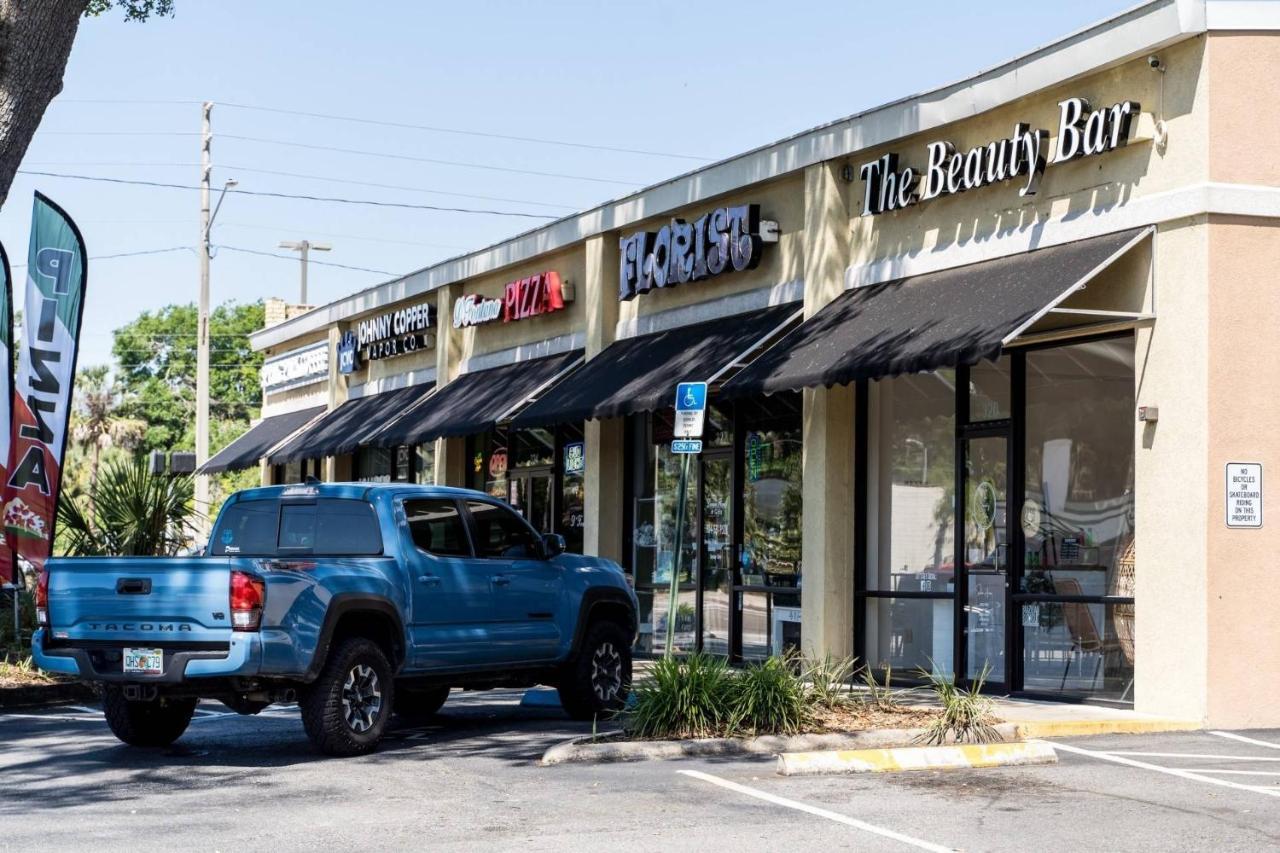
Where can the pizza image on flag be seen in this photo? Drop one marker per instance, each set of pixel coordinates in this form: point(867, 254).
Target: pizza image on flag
point(21, 520)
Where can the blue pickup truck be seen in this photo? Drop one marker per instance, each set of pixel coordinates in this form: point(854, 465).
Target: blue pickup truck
point(354, 600)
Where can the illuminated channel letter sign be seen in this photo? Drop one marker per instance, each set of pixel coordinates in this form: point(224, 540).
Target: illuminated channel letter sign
point(1082, 132)
point(395, 332)
point(728, 239)
point(523, 298)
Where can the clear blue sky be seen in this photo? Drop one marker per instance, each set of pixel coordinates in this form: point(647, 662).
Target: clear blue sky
point(704, 80)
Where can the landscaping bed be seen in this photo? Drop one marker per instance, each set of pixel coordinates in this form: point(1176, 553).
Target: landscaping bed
point(24, 686)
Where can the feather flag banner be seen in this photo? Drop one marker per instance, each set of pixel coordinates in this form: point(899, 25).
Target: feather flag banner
point(53, 305)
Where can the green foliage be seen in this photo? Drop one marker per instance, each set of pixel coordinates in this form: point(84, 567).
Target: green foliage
point(134, 514)
point(829, 679)
point(683, 698)
point(966, 714)
point(769, 698)
point(156, 370)
point(26, 621)
point(879, 696)
point(134, 10)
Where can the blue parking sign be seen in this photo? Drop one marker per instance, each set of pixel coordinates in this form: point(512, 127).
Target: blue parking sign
point(691, 408)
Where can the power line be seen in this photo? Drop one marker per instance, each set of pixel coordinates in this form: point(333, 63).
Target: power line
point(276, 229)
point(117, 133)
point(124, 255)
point(292, 258)
point(437, 129)
point(386, 155)
point(250, 169)
point(265, 194)
point(401, 125)
point(234, 168)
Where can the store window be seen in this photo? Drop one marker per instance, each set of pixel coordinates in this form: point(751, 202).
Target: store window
point(487, 468)
point(770, 561)
point(1078, 520)
point(373, 465)
point(911, 555)
point(424, 472)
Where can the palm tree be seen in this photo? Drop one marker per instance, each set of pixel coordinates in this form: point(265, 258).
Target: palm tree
point(137, 513)
point(96, 426)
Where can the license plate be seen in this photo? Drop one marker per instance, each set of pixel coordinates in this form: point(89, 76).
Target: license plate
point(146, 661)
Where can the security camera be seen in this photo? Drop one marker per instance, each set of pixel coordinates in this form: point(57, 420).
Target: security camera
point(1155, 62)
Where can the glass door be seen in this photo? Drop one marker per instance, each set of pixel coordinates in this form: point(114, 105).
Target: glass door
point(984, 550)
point(532, 494)
point(716, 558)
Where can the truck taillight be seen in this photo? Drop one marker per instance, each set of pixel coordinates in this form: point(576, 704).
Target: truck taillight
point(42, 599)
point(248, 593)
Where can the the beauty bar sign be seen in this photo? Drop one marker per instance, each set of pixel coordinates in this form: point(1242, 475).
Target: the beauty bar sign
point(1023, 156)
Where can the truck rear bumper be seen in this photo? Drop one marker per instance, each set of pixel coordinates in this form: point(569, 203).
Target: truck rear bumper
point(243, 656)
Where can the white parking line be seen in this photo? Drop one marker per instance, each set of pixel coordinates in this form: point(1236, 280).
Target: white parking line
point(1170, 771)
point(1197, 755)
point(1249, 740)
point(814, 810)
point(1239, 772)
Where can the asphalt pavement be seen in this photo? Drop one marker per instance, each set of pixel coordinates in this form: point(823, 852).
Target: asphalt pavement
point(469, 781)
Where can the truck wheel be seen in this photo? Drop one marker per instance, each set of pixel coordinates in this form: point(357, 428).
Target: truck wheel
point(597, 681)
point(345, 710)
point(156, 723)
point(419, 702)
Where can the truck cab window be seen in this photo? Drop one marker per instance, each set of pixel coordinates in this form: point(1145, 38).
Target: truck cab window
point(436, 527)
point(501, 533)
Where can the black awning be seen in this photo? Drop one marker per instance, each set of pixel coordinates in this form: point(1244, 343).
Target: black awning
point(350, 425)
point(246, 450)
point(640, 374)
point(925, 322)
point(475, 402)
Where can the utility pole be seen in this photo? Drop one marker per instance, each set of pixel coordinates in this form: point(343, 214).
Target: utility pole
point(202, 323)
point(303, 248)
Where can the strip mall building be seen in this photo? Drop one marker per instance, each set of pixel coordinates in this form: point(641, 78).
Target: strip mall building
point(985, 377)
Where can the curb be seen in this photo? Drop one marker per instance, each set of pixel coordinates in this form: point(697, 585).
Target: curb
point(961, 757)
point(1085, 728)
point(582, 750)
point(40, 695)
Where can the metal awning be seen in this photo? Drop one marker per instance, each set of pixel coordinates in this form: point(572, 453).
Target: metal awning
point(350, 425)
point(246, 450)
point(940, 319)
point(475, 402)
point(640, 374)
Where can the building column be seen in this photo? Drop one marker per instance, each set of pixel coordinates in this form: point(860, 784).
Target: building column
point(451, 462)
point(604, 498)
point(451, 453)
point(264, 472)
point(827, 611)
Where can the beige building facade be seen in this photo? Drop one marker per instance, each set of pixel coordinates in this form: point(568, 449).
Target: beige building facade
point(1002, 417)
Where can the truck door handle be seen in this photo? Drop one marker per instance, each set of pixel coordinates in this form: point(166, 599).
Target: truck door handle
point(429, 580)
point(501, 580)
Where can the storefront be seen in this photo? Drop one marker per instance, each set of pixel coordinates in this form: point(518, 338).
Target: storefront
point(986, 367)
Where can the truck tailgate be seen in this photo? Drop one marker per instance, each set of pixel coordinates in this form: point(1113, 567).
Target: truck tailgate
point(141, 599)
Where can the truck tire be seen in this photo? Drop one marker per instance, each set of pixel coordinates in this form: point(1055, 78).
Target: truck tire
point(346, 709)
point(419, 702)
point(596, 682)
point(156, 723)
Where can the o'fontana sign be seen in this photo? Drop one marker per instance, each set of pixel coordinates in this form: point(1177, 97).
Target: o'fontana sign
point(526, 297)
point(1082, 132)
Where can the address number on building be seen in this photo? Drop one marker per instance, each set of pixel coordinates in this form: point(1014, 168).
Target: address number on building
point(1244, 494)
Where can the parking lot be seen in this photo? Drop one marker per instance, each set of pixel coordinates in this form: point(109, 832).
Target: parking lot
point(470, 781)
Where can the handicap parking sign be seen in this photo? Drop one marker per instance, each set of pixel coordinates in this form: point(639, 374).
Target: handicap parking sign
point(691, 408)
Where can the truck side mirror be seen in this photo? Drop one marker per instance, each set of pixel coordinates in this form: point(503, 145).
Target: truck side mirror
point(553, 545)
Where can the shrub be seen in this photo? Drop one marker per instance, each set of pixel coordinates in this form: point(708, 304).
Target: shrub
point(829, 680)
point(683, 698)
point(879, 697)
point(769, 698)
point(966, 713)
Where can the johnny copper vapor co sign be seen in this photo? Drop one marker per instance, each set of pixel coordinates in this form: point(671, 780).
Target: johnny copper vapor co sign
point(395, 333)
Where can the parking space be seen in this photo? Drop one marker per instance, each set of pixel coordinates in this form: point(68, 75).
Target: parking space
point(469, 781)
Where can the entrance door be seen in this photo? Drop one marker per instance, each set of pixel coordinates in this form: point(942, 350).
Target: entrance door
point(532, 493)
point(715, 562)
point(984, 554)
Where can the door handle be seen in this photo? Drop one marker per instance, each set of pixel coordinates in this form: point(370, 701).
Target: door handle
point(501, 580)
point(429, 580)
